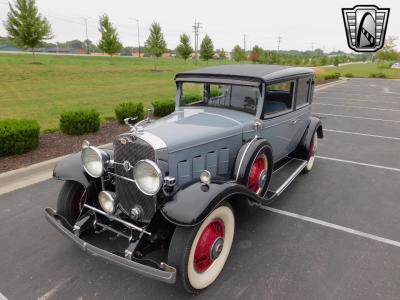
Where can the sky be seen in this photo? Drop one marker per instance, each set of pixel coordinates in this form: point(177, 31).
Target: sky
point(301, 25)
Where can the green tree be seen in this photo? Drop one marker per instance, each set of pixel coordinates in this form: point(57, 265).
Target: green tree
point(336, 61)
point(207, 48)
point(222, 54)
point(155, 43)
point(184, 49)
point(238, 54)
point(25, 26)
point(388, 52)
point(257, 55)
point(109, 42)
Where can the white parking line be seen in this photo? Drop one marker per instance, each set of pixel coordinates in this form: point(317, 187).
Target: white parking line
point(353, 117)
point(333, 226)
point(358, 163)
point(2, 297)
point(364, 134)
point(353, 106)
point(54, 290)
point(356, 100)
point(350, 94)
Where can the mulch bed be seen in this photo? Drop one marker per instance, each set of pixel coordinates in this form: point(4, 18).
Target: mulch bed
point(58, 144)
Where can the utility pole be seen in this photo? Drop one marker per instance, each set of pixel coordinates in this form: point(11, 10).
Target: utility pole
point(138, 33)
point(87, 38)
point(244, 42)
point(196, 28)
point(279, 42)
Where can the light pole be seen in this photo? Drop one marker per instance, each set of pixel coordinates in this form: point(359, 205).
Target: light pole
point(138, 33)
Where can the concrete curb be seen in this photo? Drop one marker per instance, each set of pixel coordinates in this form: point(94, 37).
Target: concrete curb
point(23, 177)
point(16, 179)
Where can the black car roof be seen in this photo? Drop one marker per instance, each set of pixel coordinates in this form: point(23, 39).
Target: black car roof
point(246, 71)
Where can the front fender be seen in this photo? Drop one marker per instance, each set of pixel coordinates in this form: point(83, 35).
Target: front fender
point(192, 204)
point(70, 168)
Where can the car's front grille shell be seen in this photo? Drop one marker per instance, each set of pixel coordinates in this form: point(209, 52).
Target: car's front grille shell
point(132, 149)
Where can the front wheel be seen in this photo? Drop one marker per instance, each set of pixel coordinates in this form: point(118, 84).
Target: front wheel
point(70, 201)
point(199, 253)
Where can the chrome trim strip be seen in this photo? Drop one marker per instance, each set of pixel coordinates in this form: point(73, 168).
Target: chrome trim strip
point(228, 118)
point(244, 153)
point(111, 217)
point(291, 178)
point(155, 141)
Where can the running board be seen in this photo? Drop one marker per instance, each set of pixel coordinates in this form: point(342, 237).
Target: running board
point(282, 177)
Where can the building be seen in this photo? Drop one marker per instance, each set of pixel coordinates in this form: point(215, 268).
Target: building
point(10, 48)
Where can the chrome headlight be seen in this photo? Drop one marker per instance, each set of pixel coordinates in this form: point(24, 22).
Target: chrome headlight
point(107, 201)
point(93, 160)
point(148, 177)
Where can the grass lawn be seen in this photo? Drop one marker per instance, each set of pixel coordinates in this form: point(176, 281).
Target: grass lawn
point(43, 91)
point(364, 70)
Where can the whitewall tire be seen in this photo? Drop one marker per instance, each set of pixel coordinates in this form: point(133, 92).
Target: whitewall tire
point(311, 154)
point(199, 253)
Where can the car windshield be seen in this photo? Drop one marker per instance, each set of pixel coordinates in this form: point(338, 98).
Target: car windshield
point(236, 97)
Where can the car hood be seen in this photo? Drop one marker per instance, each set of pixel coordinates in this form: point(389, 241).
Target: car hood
point(190, 127)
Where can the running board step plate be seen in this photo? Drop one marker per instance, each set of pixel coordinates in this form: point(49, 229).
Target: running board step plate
point(282, 177)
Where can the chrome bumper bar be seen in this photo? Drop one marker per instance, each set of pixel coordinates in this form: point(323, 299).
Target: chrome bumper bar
point(164, 273)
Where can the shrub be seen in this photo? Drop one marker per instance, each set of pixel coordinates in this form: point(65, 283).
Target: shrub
point(190, 98)
point(348, 75)
point(163, 107)
point(79, 121)
point(18, 136)
point(129, 110)
point(377, 75)
point(335, 75)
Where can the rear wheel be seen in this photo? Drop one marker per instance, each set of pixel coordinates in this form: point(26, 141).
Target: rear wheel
point(199, 253)
point(70, 201)
point(311, 154)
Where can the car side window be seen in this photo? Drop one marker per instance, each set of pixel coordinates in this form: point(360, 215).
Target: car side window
point(302, 94)
point(278, 98)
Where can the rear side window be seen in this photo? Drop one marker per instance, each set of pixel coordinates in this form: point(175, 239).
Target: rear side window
point(303, 88)
point(278, 98)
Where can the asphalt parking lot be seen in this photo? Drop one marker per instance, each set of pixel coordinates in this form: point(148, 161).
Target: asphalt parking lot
point(333, 234)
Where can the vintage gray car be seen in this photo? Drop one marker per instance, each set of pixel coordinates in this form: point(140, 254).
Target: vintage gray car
point(161, 202)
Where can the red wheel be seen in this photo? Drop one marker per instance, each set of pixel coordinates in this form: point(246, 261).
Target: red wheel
point(209, 246)
point(199, 253)
point(258, 174)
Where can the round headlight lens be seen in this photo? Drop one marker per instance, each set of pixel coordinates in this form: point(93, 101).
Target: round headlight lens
point(93, 162)
point(147, 176)
point(107, 201)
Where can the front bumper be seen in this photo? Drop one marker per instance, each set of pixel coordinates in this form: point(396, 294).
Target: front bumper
point(165, 273)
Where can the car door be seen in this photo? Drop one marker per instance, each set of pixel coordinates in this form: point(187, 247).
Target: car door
point(277, 115)
point(302, 112)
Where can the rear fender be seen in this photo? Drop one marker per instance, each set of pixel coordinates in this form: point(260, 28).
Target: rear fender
point(303, 148)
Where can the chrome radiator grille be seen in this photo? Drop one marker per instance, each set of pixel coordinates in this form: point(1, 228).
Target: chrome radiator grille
point(127, 148)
